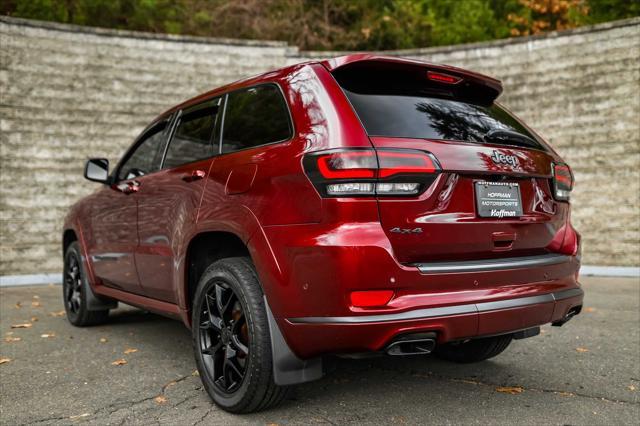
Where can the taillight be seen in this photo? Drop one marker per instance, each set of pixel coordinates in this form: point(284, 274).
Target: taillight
point(562, 182)
point(366, 172)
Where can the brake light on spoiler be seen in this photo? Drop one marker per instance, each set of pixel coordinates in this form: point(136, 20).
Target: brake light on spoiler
point(367, 172)
point(443, 78)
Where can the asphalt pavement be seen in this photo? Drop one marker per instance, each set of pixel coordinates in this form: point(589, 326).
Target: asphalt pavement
point(139, 369)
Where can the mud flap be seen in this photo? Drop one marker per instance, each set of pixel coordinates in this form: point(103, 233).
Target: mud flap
point(288, 369)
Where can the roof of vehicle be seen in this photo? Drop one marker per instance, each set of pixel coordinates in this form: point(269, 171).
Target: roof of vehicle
point(344, 61)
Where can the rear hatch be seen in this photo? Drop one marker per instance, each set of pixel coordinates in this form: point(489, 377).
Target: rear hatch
point(493, 195)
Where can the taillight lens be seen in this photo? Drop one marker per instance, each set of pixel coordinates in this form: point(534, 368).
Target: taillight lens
point(367, 172)
point(348, 165)
point(562, 182)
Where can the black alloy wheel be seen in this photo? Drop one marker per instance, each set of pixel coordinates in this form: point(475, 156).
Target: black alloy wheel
point(72, 284)
point(75, 289)
point(224, 337)
point(231, 338)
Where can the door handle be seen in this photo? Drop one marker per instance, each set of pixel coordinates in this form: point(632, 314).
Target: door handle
point(129, 187)
point(194, 175)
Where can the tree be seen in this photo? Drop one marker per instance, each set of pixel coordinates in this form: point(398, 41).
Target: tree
point(333, 24)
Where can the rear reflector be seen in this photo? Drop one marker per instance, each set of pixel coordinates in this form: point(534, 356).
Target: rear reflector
point(371, 298)
point(562, 182)
point(443, 78)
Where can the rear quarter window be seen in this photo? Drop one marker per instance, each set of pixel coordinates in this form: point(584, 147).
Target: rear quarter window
point(255, 116)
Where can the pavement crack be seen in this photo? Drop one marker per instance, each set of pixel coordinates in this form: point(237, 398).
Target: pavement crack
point(114, 407)
point(203, 417)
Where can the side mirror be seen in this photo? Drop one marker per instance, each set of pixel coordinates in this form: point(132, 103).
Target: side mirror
point(97, 170)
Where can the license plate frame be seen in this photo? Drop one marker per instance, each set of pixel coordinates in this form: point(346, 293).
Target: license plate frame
point(498, 200)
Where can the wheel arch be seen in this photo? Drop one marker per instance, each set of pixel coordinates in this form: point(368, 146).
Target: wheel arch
point(69, 235)
point(203, 249)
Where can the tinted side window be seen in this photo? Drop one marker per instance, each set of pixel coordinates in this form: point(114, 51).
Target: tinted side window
point(192, 140)
point(255, 116)
point(145, 158)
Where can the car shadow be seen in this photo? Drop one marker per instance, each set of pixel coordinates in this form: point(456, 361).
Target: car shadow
point(343, 376)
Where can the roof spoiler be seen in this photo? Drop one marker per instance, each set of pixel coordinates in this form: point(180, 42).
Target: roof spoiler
point(461, 82)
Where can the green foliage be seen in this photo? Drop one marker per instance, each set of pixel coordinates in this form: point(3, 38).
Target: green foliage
point(611, 10)
point(329, 24)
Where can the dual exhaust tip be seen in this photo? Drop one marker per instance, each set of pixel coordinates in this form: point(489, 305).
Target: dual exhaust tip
point(412, 344)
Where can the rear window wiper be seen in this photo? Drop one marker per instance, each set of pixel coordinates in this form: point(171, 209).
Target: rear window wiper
point(508, 137)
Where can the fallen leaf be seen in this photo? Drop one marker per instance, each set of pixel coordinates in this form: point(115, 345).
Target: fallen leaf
point(48, 335)
point(467, 381)
point(582, 350)
point(25, 325)
point(119, 362)
point(103, 340)
point(4, 360)
point(631, 388)
point(35, 304)
point(18, 305)
point(12, 339)
point(57, 314)
point(160, 399)
point(590, 309)
point(512, 390)
point(130, 351)
point(79, 416)
point(565, 393)
point(34, 319)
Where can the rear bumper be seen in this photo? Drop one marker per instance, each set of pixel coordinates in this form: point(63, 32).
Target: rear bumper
point(446, 311)
point(363, 333)
point(309, 271)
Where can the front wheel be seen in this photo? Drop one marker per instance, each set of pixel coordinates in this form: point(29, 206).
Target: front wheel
point(474, 350)
point(75, 291)
point(231, 338)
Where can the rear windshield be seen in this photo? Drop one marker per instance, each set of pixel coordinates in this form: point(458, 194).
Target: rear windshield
point(398, 100)
point(424, 117)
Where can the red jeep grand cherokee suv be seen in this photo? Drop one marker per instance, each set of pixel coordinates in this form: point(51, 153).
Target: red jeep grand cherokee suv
point(359, 204)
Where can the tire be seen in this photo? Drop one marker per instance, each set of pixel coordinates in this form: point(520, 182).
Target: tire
point(232, 346)
point(474, 350)
point(75, 288)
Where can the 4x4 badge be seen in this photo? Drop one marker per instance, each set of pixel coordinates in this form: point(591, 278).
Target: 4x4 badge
point(500, 158)
point(397, 230)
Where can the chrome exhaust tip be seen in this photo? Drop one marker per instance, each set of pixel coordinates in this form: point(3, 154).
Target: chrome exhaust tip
point(570, 314)
point(412, 344)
